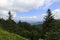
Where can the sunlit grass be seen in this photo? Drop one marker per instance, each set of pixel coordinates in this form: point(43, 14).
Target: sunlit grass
point(4, 35)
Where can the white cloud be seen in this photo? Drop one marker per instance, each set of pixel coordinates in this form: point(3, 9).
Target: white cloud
point(3, 2)
point(4, 14)
point(18, 5)
point(22, 5)
point(31, 18)
point(56, 13)
point(26, 18)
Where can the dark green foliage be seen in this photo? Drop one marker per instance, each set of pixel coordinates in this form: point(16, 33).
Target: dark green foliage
point(52, 35)
point(49, 22)
point(24, 25)
point(28, 31)
point(10, 25)
point(2, 21)
point(49, 30)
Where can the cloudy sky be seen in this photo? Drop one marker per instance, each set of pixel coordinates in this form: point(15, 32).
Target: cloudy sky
point(29, 10)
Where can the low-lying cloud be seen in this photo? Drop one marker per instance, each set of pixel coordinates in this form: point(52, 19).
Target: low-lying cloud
point(22, 6)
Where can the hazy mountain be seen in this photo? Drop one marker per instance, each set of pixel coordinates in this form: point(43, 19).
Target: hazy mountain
point(35, 23)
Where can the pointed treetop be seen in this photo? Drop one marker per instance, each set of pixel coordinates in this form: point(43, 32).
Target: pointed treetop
point(10, 16)
point(49, 11)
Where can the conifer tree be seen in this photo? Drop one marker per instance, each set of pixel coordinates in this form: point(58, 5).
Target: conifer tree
point(48, 24)
point(10, 16)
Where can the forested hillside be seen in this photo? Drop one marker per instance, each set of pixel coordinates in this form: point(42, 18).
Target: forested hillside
point(48, 30)
point(4, 35)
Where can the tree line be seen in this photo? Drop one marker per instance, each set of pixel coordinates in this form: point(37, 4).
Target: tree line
point(49, 30)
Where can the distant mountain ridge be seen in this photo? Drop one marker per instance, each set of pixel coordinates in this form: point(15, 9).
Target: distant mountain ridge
point(32, 22)
point(36, 23)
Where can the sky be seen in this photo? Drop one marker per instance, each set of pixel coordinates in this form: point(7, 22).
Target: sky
point(29, 10)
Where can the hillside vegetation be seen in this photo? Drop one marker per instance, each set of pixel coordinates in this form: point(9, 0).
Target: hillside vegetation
point(4, 35)
point(48, 30)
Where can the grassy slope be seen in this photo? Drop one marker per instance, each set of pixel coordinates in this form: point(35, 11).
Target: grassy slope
point(4, 35)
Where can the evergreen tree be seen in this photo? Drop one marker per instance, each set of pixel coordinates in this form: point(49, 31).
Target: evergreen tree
point(10, 24)
point(48, 24)
point(10, 16)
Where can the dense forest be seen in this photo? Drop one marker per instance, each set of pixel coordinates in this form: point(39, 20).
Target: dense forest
point(48, 30)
